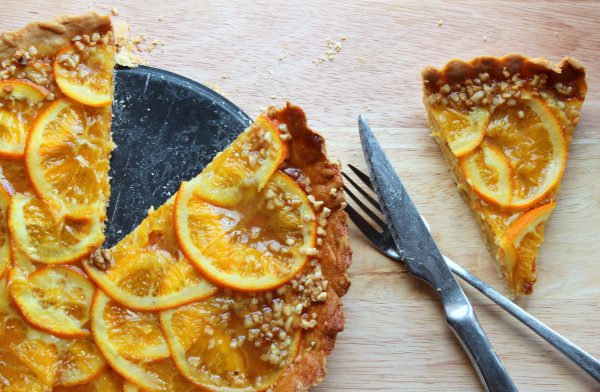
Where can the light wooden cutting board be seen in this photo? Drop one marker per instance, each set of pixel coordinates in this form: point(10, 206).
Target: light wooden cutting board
point(395, 338)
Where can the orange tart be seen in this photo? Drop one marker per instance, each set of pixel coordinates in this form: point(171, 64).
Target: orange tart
point(504, 126)
point(233, 284)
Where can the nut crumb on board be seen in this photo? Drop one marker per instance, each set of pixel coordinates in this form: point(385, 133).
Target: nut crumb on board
point(128, 48)
point(333, 48)
point(440, 22)
point(115, 11)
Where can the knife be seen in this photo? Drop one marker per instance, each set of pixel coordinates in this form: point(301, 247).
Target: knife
point(425, 261)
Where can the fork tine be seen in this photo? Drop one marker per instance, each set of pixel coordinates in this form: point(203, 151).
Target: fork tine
point(365, 178)
point(366, 209)
point(365, 227)
point(362, 192)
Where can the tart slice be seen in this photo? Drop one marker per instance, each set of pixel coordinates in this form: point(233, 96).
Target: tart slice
point(242, 269)
point(56, 88)
point(504, 126)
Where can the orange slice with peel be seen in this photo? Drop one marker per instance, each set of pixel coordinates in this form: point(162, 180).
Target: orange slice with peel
point(521, 243)
point(4, 236)
point(490, 174)
point(86, 75)
point(67, 158)
point(532, 138)
point(219, 353)
point(135, 335)
point(463, 131)
point(80, 362)
point(155, 375)
point(259, 244)
point(54, 299)
point(37, 360)
point(46, 238)
point(148, 270)
point(248, 162)
point(108, 381)
point(13, 126)
point(26, 364)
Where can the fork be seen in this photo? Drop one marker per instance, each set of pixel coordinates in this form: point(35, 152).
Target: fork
point(383, 241)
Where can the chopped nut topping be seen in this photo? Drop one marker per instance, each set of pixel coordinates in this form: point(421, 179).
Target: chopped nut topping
point(100, 259)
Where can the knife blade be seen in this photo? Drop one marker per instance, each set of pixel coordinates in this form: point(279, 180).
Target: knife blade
point(424, 260)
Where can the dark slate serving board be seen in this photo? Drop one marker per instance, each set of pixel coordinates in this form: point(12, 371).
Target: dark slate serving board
point(167, 129)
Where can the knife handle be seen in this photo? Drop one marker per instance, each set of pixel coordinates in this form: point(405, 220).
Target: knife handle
point(464, 324)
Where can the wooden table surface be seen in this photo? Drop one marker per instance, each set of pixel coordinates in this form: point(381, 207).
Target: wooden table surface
point(257, 53)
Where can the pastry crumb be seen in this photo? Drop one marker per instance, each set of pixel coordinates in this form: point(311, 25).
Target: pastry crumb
point(440, 22)
point(333, 48)
point(115, 11)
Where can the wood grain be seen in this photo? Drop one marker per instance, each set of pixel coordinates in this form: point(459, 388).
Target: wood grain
point(396, 338)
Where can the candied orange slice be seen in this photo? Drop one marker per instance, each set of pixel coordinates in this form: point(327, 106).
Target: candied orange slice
point(108, 381)
point(37, 360)
point(463, 132)
point(25, 364)
point(259, 244)
point(45, 238)
point(490, 174)
point(248, 162)
point(148, 270)
point(135, 335)
point(67, 155)
point(4, 239)
point(521, 243)
point(216, 343)
point(158, 375)
point(532, 138)
point(80, 362)
point(13, 127)
point(55, 299)
point(86, 75)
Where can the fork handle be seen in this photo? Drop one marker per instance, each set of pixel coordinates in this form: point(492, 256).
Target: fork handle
point(587, 362)
point(466, 327)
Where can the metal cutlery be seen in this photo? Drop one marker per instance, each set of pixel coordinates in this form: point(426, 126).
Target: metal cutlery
point(423, 259)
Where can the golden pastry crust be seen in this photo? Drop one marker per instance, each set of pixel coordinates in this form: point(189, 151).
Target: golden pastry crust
point(568, 71)
point(564, 81)
point(50, 36)
point(308, 159)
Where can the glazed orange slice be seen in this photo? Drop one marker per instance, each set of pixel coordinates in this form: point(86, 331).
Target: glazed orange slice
point(490, 174)
point(37, 360)
point(158, 375)
point(247, 163)
point(54, 299)
point(228, 354)
point(463, 131)
point(148, 270)
point(140, 340)
point(80, 362)
point(49, 239)
point(27, 364)
point(521, 243)
point(108, 381)
point(532, 138)
point(13, 127)
point(86, 75)
point(67, 156)
point(4, 239)
point(259, 244)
